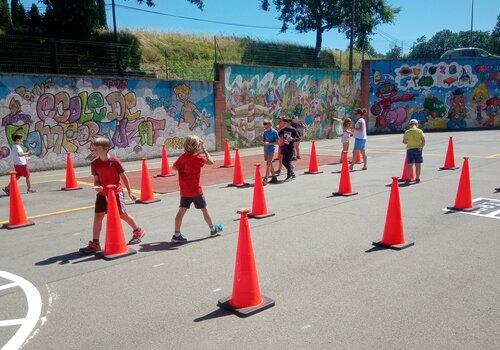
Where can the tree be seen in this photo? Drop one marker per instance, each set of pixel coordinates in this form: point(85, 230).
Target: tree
point(494, 44)
point(308, 15)
point(101, 14)
point(34, 18)
point(18, 14)
point(395, 53)
point(5, 20)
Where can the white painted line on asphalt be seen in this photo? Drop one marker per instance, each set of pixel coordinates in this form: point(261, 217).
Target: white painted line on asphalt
point(14, 322)
point(158, 265)
point(306, 326)
point(8, 285)
point(34, 308)
point(217, 290)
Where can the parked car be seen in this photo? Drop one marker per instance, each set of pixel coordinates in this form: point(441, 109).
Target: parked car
point(466, 52)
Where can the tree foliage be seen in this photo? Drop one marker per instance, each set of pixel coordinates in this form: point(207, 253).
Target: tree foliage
point(395, 53)
point(18, 14)
point(5, 20)
point(34, 18)
point(101, 14)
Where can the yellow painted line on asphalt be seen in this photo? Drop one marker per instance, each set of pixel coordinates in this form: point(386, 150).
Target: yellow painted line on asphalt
point(54, 213)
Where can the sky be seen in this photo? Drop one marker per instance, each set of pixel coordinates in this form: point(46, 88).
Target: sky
point(416, 18)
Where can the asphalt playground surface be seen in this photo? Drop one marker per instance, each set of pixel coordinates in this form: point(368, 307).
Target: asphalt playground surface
point(314, 258)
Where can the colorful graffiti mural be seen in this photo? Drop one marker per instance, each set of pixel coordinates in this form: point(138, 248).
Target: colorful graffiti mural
point(62, 114)
point(319, 98)
point(448, 95)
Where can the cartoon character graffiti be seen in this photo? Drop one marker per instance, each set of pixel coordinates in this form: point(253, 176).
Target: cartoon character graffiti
point(479, 96)
point(387, 94)
point(189, 112)
point(458, 111)
point(492, 111)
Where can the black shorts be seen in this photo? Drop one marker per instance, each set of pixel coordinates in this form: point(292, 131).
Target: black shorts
point(199, 202)
point(101, 203)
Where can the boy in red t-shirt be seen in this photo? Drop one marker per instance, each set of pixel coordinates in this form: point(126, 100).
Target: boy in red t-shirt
point(108, 170)
point(189, 165)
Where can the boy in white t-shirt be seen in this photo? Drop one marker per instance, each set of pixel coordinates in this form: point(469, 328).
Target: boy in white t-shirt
point(359, 136)
point(20, 163)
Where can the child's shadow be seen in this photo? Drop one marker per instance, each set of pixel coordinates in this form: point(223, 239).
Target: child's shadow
point(164, 245)
point(66, 259)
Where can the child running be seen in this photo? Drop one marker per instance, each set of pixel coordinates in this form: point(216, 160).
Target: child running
point(270, 139)
point(108, 170)
point(289, 135)
point(189, 165)
point(20, 163)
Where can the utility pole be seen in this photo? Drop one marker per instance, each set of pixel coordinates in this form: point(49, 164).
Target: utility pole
point(114, 20)
point(351, 40)
point(471, 21)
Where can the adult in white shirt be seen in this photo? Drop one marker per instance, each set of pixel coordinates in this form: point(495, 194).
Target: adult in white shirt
point(359, 136)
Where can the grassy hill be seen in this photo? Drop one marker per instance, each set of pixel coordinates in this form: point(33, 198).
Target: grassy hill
point(185, 56)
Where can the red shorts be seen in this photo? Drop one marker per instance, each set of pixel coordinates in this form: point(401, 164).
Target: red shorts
point(22, 170)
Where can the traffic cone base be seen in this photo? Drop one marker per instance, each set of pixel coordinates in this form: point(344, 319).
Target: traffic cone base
point(168, 175)
point(337, 194)
point(243, 185)
point(268, 214)
point(462, 209)
point(497, 189)
point(313, 172)
point(148, 201)
point(227, 166)
point(130, 251)
point(70, 189)
point(12, 227)
point(225, 304)
point(453, 168)
point(394, 247)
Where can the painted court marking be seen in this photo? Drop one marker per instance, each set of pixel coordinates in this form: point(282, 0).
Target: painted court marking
point(487, 207)
point(28, 323)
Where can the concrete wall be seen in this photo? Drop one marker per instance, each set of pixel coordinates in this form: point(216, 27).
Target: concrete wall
point(442, 95)
point(320, 98)
point(59, 114)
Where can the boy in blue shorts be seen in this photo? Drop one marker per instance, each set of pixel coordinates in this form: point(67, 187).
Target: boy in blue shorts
point(414, 139)
point(270, 139)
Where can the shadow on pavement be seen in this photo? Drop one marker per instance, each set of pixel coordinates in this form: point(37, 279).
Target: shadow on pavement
point(160, 246)
point(214, 314)
point(66, 259)
point(375, 249)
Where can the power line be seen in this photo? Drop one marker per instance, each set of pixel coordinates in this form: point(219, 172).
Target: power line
point(195, 18)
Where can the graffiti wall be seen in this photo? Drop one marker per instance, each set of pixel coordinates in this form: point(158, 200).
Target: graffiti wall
point(62, 114)
point(442, 95)
point(318, 98)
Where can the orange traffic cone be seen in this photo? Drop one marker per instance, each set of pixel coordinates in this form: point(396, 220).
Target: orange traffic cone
point(449, 161)
point(463, 200)
point(405, 176)
point(238, 178)
point(71, 183)
point(165, 168)
point(245, 299)
point(17, 214)
point(115, 247)
point(227, 155)
point(357, 157)
point(394, 236)
point(345, 188)
point(147, 195)
point(259, 205)
point(313, 162)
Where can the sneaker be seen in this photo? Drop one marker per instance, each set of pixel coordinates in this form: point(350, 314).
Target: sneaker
point(217, 230)
point(364, 168)
point(417, 181)
point(293, 176)
point(277, 173)
point(274, 180)
point(31, 191)
point(138, 233)
point(6, 190)
point(351, 168)
point(407, 182)
point(264, 182)
point(288, 179)
point(178, 238)
point(92, 248)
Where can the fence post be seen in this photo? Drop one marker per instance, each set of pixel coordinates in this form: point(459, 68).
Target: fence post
point(56, 58)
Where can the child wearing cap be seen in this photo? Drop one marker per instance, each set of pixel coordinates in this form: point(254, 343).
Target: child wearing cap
point(290, 136)
point(414, 139)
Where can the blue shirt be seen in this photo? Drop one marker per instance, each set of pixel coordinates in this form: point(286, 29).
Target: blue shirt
point(270, 136)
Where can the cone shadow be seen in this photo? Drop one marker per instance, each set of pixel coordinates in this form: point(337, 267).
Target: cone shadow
point(64, 259)
point(214, 314)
